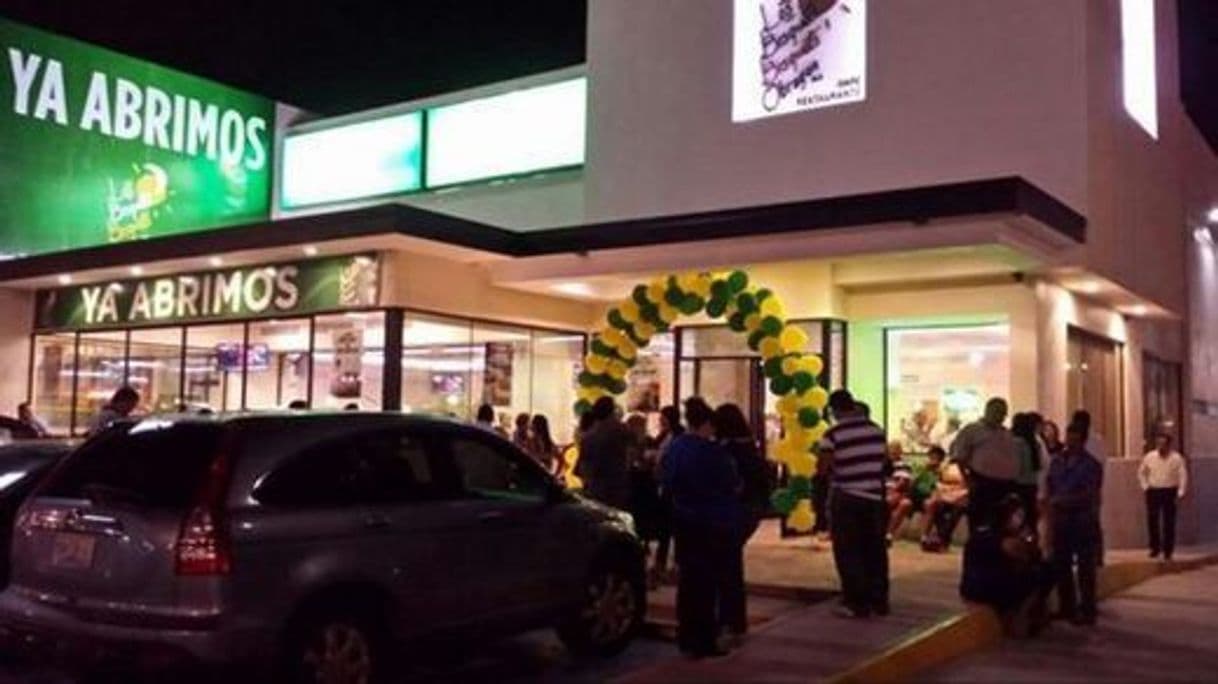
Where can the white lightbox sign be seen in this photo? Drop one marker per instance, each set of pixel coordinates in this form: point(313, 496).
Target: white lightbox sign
point(1138, 68)
point(795, 55)
point(519, 132)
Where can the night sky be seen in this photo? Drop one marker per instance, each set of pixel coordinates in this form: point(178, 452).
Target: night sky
point(335, 57)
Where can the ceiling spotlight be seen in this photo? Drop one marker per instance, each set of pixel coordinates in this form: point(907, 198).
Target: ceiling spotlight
point(1089, 287)
point(310, 250)
point(215, 262)
point(137, 271)
point(1213, 215)
point(1139, 310)
point(65, 279)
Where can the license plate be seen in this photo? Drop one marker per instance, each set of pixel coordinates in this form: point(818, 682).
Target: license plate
point(74, 551)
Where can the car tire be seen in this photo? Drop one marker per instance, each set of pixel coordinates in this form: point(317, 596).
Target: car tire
point(336, 646)
point(610, 614)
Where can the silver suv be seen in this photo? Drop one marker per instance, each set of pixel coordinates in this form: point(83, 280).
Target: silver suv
point(307, 547)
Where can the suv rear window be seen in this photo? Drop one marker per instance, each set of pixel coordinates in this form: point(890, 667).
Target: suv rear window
point(150, 463)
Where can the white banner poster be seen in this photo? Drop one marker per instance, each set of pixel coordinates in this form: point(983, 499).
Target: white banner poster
point(795, 55)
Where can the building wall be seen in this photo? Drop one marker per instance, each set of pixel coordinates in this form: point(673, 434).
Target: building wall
point(16, 307)
point(957, 90)
point(464, 289)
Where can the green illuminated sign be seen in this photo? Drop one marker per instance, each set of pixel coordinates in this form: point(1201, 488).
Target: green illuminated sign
point(360, 160)
point(97, 147)
point(282, 289)
point(520, 132)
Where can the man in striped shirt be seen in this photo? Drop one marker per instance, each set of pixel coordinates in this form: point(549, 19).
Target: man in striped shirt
point(858, 513)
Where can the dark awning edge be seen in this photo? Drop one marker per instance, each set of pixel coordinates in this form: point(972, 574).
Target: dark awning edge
point(1010, 195)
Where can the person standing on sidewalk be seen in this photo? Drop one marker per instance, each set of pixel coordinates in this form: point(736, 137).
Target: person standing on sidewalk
point(987, 452)
point(701, 476)
point(604, 457)
point(756, 485)
point(1074, 483)
point(1164, 477)
point(858, 513)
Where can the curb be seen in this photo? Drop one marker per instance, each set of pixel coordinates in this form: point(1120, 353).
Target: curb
point(980, 627)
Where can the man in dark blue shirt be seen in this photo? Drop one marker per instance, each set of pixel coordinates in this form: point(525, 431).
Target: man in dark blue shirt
point(1074, 483)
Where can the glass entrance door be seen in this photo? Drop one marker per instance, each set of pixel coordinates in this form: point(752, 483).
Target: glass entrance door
point(727, 380)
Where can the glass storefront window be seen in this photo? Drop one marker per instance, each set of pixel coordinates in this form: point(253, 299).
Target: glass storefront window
point(501, 371)
point(557, 358)
point(1161, 399)
point(437, 357)
point(277, 372)
point(101, 369)
point(649, 385)
point(154, 368)
point(349, 358)
point(54, 366)
point(214, 367)
point(940, 378)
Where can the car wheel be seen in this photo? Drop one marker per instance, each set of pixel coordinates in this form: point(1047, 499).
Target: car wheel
point(611, 612)
point(336, 647)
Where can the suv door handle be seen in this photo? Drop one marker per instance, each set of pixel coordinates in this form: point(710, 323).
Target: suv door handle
point(491, 517)
point(376, 522)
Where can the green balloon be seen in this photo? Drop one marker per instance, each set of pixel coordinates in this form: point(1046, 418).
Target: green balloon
point(755, 339)
point(588, 379)
point(780, 385)
point(639, 295)
point(803, 381)
point(673, 296)
point(746, 303)
point(601, 349)
point(616, 386)
point(651, 313)
point(809, 417)
point(720, 289)
point(691, 304)
point(773, 367)
point(783, 501)
point(764, 294)
point(582, 406)
point(800, 486)
point(737, 281)
point(716, 307)
point(736, 322)
point(771, 325)
point(616, 320)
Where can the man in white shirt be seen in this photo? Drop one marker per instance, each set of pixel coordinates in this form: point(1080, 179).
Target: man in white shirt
point(1164, 477)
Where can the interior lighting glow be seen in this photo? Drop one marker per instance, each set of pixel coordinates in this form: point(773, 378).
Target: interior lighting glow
point(65, 279)
point(520, 132)
point(1213, 215)
point(577, 289)
point(1138, 66)
point(355, 161)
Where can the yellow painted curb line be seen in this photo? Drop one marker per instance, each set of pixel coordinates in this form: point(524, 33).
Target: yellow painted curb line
point(980, 627)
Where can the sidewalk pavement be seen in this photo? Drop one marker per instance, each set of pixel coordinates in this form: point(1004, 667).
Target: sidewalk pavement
point(811, 643)
point(1159, 631)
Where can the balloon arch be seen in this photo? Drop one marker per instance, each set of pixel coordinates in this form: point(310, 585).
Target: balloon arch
point(756, 312)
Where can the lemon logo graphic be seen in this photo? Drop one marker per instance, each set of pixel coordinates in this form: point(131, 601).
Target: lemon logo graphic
point(135, 202)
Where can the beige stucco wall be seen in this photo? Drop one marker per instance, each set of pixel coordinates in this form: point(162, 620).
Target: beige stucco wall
point(16, 307)
point(441, 285)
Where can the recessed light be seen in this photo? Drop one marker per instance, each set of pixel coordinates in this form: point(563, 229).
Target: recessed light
point(137, 270)
point(576, 288)
point(1139, 310)
point(215, 262)
point(1089, 287)
point(65, 279)
point(310, 250)
point(1213, 215)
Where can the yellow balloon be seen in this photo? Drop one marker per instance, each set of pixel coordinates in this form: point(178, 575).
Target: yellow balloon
point(793, 339)
point(611, 336)
point(616, 369)
point(802, 465)
point(702, 284)
point(625, 346)
point(819, 431)
point(801, 518)
point(667, 313)
point(788, 405)
point(790, 365)
point(629, 310)
point(813, 364)
point(590, 393)
point(644, 330)
point(628, 353)
point(784, 451)
point(770, 348)
point(818, 398)
point(655, 292)
point(772, 307)
point(752, 322)
point(596, 363)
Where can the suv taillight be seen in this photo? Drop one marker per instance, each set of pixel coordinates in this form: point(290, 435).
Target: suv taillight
point(204, 547)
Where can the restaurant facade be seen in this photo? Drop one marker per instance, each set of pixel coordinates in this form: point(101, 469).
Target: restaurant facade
point(950, 211)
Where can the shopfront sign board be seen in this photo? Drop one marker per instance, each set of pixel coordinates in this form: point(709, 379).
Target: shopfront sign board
point(797, 55)
point(271, 290)
point(97, 147)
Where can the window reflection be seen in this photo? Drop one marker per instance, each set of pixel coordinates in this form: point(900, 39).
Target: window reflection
point(213, 367)
point(349, 357)
point(154, 368)
point(101, 370)
point(278, 366)
point(54, 366)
